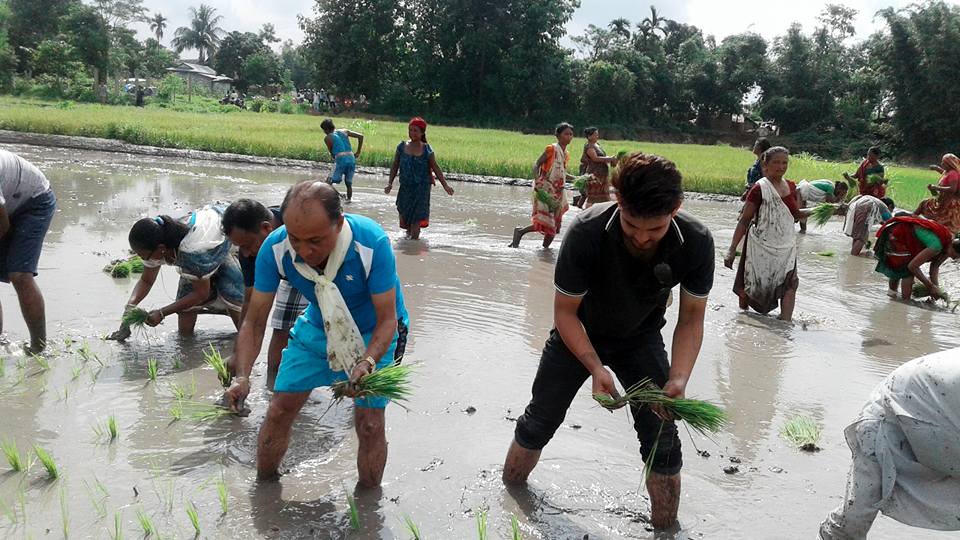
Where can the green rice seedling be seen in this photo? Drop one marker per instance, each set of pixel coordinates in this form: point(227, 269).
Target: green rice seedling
point(11, 513)
point(194, 517)
point(803, 432)
point(822, 213)
point(876, 179)
point(47, 461)
point(544, 197)
point(215, 360)
point(117, 525)
point(222, 495)
point(180, 392)
point(354, 513)
point(392, 382)
point(12, 453)
point(702, 416)
point(580, 182)
point(146, 524)
point(41, 361)
point(825, 253)
point(22, 499)
point(482, 525)
point(515, 528)
point(64, 511)
point(112, 428)
point(203, 412)
point(3, 367)
point(22, 363)
point(96, 500)
point(121, 270)
point(86, 354)
point(135, 317)
point(412, 527)
point(75, 372)
point(136, 264)
point(152, 369)
point(177, 362)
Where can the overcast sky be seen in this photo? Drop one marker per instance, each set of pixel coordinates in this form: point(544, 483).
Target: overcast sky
point(719, 18)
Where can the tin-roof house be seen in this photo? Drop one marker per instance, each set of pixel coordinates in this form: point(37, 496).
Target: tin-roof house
point(202, 76)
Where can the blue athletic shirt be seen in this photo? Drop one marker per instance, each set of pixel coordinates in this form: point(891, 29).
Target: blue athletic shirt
point(369, 268)
point(340, 142)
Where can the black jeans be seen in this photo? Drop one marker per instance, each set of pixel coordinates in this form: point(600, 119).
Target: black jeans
point(561, 375)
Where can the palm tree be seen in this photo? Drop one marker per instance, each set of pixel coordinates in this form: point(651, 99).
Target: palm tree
point(157, 25)
point(620, 27)
point(203, 34)
point(651, 24)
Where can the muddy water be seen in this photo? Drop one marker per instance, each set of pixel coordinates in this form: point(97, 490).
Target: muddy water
point(480, 314)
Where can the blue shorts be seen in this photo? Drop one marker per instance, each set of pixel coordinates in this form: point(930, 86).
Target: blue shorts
point(20, 248)
point(304, 366)
point(343, 171)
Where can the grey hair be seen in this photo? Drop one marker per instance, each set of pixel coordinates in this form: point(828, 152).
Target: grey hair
point(772, 151)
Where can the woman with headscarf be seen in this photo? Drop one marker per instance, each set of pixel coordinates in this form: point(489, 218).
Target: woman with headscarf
point(210, 275)
point(944, 206)
point(417, 165)
point(549, 201)
point(767, 274)
point(904, 245)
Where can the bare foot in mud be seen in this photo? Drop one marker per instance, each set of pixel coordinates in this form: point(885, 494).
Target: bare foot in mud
point(35, 348)
point(517, 235)
point(120, 335)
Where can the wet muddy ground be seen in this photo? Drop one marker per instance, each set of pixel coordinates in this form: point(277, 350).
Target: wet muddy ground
point(480, 312)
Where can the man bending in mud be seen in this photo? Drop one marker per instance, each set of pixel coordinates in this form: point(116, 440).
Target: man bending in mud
point(355, 321)
point(614, 275)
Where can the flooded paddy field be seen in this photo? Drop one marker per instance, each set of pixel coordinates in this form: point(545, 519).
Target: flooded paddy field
point(480, 313)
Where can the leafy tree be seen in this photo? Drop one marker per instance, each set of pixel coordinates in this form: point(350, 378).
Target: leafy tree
point(8, 60)
point(608, 92)
point(244, 56)
point(87, 33)
point(120, 13)
point(155, 58)
point(261, 68)
point(268, 34)
point(203, 34)
point(158, 23)
point(170, 86)
point(57, 58)
point(292, 60)
point(32, 21)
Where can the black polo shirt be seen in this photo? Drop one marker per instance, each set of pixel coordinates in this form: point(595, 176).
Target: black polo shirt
point(248, 265)
point(624, 297)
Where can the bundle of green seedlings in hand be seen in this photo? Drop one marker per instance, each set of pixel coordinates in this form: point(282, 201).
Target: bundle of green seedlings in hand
point(822, 213)
point(215, 360)
point(702, 416)
point(921, 291)
point(545, 198)
point(803, 432)
point(200, 411)
point(121, 270)
point(391, 382)
point(825, 253)
point(875, 179)
point(622, 154)
point(135, 317)
point(580, 182)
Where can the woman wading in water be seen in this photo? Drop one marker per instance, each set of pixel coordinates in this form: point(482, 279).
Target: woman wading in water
point(767, 274)
point(549, 201)
point(415, 161)
point(904, 245)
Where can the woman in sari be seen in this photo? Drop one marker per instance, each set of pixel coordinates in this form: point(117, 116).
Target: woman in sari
point(416, 163)
point(869, 175)
point(595, 162)
point(904, 245)
point(944, 206)
point(817, 192)
point(767, 274)
point(863, 213)
point(549, 201)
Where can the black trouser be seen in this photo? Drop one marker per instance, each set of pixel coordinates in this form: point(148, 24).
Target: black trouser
point(561, 375)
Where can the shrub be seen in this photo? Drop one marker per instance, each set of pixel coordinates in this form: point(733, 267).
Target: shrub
point(271, 106)
point(304, 108)
point(256, 105)
point(286, 107)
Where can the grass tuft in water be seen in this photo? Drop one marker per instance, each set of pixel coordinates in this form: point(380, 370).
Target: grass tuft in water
point(222, 495)
point(76, 372)
point(152, 369)
point(214, 359)
point(515, 528)
point(64, 511)
point(803, 432)
point(412, 527)
point(3, 367)
point(97, 500)
point(10, 512)
point(201, 411)
point(146, 524)
point(482, 525)
point(117, 525)
point(391, 382)
point(47, 461)
point(12, 453)
point(702, 416)
point(194, 517)
point(86, 354)
point(354, 513)
point(112, 427)
point(41, 361)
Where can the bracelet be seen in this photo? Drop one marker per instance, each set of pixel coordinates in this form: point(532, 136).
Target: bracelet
point(241, 378)
point(371, 361)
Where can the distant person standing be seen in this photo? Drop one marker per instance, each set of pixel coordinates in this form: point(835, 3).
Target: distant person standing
point(316, 101)
point(755, 172)
point(27, 205)
point(140, 95)
point(345, 160)
point(870, 179)
point(595, 162)
point(549, 200)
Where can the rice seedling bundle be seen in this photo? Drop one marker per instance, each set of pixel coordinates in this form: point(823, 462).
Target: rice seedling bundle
point(391, 382)
point(580, 182)
point(47, 461)
point(135, 317)
point(702, 416)
point(622, 154)
point(120, 270)
point(214, 359)
point(12, 453)
point(875, 179)
point(200, 411)
point(545, 198)
point(136, 264)
point(803, 432)
point(822, 214)
point(921, 291)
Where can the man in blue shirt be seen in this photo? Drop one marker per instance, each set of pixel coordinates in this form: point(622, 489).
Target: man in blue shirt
point(368, 282)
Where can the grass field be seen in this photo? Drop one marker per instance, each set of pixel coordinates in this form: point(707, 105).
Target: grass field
point(709, 169)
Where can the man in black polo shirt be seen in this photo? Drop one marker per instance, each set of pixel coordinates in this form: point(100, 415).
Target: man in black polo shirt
point(247, 224)
point(614, 275)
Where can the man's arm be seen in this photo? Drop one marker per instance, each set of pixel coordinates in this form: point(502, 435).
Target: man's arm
point(359, 138)
point(687, 338)
point(247, 293)
point(329, 142)
point(4, 222)
point(574, 336)
point(249, 342)
point(385, 305)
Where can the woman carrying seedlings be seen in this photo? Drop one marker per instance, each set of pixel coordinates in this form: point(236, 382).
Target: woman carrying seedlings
point(863, 213)
point(210, 275)
point(767, 275)
point(615, 272)
point(595, 162)
point(417, 165)
point(904, 245)
point(817, 192)
point(944, 207)
point(869, 175)
point(549, 201)
point(904, 451)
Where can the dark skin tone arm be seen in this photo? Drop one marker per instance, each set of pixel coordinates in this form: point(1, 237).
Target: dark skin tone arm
point(394, 169)
point(935, 258)
point(199, 293)
point(4, 222)
point(439, 174)
point(592, 154)
point(328, 140)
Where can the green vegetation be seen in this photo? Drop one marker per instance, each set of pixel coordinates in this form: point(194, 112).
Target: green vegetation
point(108, 429)
point(709, 169)
point(117, 525)
point(515, 529)
point(412, 527)
point(214, 359)
point(14, 458)
point(702, 416)
point(64, 511)
point(194, 517)
point(222, 495)
point(146, 524)
point(822, 214)
point(391, 382)
point(482, 525)
point(354, 513)
point(47, 461)
point(86, 354)
point(135, 317)
point(803, 432)
point(121, 270)
point(152, 369)
point(41, 361)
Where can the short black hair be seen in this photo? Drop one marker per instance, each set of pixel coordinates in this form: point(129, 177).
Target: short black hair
point(327, 125)
point(246, 215)
point(561, 127)
point(589, 131)
point(875, 150)
point(762, 144)
point(317, 190)
point(889, 202)
point(649, 185)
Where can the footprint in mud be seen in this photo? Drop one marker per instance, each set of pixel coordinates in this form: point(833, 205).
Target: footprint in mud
point(875, 342)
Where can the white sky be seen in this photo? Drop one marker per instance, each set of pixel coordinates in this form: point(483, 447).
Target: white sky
point(717, 17)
